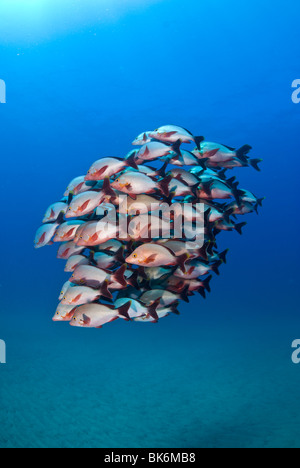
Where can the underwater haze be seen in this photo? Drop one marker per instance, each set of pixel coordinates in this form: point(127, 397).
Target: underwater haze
point(83, 79)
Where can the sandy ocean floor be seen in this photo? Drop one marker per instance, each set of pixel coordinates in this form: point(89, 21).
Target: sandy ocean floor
point(166, 386)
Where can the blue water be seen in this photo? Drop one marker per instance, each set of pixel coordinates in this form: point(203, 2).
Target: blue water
point(83, 79)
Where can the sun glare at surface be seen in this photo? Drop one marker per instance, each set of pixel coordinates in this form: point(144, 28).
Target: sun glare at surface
point(31, 20)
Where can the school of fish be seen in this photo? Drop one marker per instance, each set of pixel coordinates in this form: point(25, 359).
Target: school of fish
point(128, 270)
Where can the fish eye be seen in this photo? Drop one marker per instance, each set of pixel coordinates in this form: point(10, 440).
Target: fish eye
point(135, 256)
point(74, 319)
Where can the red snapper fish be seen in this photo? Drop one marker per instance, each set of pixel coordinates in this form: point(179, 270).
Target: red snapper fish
point(46, 232)
point(76, 261)
point(79, 185)
point(84, 204)
point(172, 133)
point(64, 313)
point(154, 255)
point(142, 139)
point(218, 155)
point(134, 183)
point(79, 295)
point(67, 231)
point(94, 277)
point(69, 249)
point(97, 315)
point(54, 211)
point(96, 233)
point(156, 150)
point(107, 167)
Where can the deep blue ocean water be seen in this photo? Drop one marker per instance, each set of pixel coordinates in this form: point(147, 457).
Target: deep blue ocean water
point(83, 79)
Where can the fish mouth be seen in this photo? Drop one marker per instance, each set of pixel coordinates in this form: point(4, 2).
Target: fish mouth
point(58, 319)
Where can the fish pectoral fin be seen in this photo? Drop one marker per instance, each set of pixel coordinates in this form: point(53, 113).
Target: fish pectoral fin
point(212, 153)
point(169, 134)
point(94, 238)
point(101, 171)
point(86, 320)
point(84, 206)
point(77, 298)
point(150, 259)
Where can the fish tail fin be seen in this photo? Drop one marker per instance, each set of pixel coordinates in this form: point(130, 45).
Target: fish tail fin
point(153, 308)
point(162, 171)
point(227, 213)
point(163, 185)
point(222, 173)
point(130, 161)
point(118, 276)
point(242, 152)
point(238, 227)
point(202, 292)
point(92, 256)
point(198, 140)
point(107, 190)
point(70, 197)
point(141, 273)
point(130, 247)
point(133, 280)
point(260, 201)
point(210, 247)
point(258, 204)
point(231, 182)
point(215, 267)
point(203, 252)
point(181, 260)
point(238, 194)
point(202, 163)
point(174, 308)
point(104, 291)
point(185, 294)
point(120, 255)
point(123, 311)
point(61, 218)
point(206, 283)
point(223, 256)
point(176, 147)
point(254, 163)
